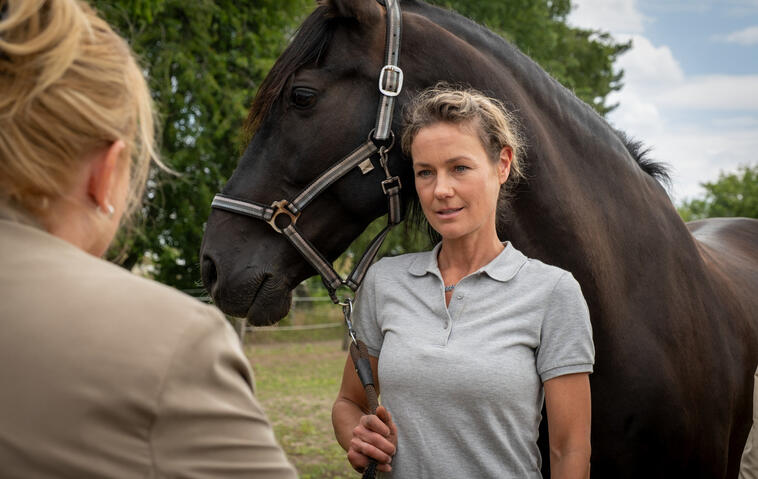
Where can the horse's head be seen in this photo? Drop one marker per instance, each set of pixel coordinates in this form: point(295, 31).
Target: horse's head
point(318, 103)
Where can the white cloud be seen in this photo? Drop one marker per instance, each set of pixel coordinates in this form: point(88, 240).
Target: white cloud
point(698, 154)
point(615, 16)
point(747, 36)
point(699, 125)
point(713, 92)
point(646, 65)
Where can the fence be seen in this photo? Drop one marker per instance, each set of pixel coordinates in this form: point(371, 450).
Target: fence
point(310, 318)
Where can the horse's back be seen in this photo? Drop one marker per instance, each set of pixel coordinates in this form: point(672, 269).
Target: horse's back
point(736, 238)
point(728, 249)
point(728, 246)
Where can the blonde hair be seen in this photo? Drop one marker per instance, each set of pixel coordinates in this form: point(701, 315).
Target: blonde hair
point(70, 86)
point(489, 119)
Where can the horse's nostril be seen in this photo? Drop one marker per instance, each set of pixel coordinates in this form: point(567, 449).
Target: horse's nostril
point(209, 274)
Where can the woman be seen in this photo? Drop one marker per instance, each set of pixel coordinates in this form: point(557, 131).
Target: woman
point(102, 373)
point(749, 462)
point(467, 339)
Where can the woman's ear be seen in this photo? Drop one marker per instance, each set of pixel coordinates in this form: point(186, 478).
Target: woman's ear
point(103, 172)
point(504, 164)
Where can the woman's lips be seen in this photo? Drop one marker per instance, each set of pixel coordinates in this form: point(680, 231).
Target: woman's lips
point(448, 213)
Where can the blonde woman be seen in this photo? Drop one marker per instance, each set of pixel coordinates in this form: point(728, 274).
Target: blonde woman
point(470, 338)
point(102, 373)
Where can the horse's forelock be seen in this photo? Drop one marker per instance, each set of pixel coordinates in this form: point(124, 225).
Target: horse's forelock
point(308, 45)
point(365, 11)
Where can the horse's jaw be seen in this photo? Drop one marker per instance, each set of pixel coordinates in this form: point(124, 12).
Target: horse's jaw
point(247, 276)
point(263, 298)
point(270, 300)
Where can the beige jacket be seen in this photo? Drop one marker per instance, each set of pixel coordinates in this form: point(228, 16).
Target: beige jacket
point(749, 464)
point(105, 374)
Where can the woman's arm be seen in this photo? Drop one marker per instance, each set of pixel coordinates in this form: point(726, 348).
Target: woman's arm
point(363, 436)
point(569, 414)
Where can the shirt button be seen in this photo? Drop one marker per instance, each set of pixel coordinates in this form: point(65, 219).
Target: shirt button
point(460, 296)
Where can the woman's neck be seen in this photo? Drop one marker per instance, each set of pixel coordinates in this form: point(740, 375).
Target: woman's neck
point(462, 256)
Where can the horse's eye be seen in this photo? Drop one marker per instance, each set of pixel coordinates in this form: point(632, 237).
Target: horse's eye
point(303, 97)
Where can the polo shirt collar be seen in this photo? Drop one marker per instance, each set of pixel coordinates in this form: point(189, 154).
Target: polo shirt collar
point(503, 268)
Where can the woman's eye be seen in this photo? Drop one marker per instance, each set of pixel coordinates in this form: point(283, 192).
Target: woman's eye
point(423, 173)
point(303, 97)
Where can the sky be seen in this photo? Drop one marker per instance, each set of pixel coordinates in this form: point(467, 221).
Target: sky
point(690, 82)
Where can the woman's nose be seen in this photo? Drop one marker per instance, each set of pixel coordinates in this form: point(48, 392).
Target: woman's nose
point(443, 187)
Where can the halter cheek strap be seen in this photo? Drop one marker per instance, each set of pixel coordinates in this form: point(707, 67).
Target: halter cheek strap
point(282, 215)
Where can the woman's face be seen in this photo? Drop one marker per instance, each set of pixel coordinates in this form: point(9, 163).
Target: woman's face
point(457, 183)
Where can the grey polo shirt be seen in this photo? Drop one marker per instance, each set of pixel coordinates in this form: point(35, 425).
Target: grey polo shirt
point(464, 382)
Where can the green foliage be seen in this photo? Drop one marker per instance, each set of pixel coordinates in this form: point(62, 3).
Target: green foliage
point(733, 194)
point(205, 60)
point(582, 60)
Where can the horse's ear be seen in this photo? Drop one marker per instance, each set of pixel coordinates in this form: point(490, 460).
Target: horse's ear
point(365, 11)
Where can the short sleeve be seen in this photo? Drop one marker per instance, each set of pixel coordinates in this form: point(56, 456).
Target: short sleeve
point(365, 319)
point(208, 422)
point(566, 345)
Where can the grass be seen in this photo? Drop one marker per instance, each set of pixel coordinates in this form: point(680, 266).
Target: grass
point(297, 383)
point(303, 314)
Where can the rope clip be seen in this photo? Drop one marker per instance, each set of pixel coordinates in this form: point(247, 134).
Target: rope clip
point(347, 311)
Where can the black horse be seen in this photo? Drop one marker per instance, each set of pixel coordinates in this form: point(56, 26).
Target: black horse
point(673, 306)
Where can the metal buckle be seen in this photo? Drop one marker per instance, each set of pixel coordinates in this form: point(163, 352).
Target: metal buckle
point(347, 311)
point(280, 207)
point(391, 182)
point(398, 88)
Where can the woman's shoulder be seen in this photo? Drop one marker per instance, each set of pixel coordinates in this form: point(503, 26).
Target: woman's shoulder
point(543, 273)
point(48, 274)
point(402, 262)
point(130, 292)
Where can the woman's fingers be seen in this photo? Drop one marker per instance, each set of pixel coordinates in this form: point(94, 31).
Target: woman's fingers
point(384, 415)
point(373, 423)
point(375, 437)
point(367, 442)
point(360, 462)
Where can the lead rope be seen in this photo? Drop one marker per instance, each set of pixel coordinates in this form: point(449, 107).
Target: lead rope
point(359, 354)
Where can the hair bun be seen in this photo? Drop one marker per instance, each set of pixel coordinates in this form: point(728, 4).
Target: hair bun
point(70, 86)
point(38, 43)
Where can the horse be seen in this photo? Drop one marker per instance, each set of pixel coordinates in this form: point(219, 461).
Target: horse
point(673, 306)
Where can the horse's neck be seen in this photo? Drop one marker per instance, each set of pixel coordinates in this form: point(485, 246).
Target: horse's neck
point(584, 191)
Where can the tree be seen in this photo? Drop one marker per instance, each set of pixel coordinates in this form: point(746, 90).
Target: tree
point(205, 60)
point(733, 194)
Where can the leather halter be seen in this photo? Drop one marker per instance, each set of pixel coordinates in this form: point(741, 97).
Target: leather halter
point(282, 215)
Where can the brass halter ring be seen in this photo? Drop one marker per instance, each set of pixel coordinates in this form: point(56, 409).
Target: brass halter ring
point(280, 208)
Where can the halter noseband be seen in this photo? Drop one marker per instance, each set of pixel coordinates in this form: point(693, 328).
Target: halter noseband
point(282, 215)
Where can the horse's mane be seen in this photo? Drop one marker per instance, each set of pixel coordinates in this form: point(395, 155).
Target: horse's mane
point(311, 41)
point(641, 154)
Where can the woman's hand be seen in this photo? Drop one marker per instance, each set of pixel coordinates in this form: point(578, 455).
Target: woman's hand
point(375, 437)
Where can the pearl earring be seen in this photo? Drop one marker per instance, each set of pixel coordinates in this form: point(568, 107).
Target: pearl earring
point(109, 210)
